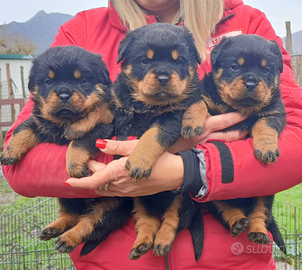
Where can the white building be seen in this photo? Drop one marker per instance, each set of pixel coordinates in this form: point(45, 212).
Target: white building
point(15, 62)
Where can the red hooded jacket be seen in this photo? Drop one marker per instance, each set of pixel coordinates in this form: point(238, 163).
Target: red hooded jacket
point(42, 171)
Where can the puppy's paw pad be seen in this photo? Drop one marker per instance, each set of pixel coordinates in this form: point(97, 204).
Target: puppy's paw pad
point(259, 238)
point(7, 160)
point(49, 233)
point(160, 250)
point(268, 156)
point(136, 172)
point(140, 250)
point(190, 132)
point(63, 246)
point(77, 170)
point(239, 226)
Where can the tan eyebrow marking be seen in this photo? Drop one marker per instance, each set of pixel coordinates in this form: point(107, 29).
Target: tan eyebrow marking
point(241, 61)
point(51, 74)
point(263, 63)
point(175, 54)
point(150, 54)
point(77, 74)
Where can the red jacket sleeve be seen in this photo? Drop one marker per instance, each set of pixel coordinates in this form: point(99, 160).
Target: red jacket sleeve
point(248, 177)
point(43, 169)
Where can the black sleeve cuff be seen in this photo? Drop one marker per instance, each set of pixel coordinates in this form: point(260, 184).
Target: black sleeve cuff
point(192, 180)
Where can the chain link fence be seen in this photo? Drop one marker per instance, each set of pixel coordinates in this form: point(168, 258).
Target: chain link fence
point(20, 248)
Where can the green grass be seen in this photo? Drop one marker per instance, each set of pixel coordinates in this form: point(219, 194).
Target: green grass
point(292, 196)
point(10, 200)
point(288, 217)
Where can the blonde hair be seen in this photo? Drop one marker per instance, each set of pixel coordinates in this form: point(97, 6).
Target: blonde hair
point(199, 16)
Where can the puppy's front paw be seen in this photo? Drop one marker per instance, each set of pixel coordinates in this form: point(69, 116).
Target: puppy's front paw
point(50, 232)
point(193, 120)
point(267, 154)
point(73, 134)
point(140, 250)
point(9, 156)
point(65, 245)
point(77, 170)
point(190, 132)
point(137, 170)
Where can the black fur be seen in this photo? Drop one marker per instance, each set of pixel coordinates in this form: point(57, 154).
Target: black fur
point(68, 84)
point(252, 62)
point(135, 115)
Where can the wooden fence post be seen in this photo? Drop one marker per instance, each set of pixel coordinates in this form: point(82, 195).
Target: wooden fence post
point(22, 83)
point(10, 91)
point(289, 46)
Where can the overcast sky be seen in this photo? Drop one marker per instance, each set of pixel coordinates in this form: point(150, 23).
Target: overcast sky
point(277, 11)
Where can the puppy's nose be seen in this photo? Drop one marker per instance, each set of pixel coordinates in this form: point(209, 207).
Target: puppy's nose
point(250, 85)
point(64, 94)
point(163, 79)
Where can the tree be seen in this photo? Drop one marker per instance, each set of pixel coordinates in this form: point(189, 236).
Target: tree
point(15, 44)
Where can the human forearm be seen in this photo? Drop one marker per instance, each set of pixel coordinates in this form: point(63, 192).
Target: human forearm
point(247, 177)
point(42, 172)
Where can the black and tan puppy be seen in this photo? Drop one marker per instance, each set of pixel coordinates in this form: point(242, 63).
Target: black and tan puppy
point(156, 85)
point(71, 92)
point(245, 79)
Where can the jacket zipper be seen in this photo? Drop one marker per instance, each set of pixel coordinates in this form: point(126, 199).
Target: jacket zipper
point(167, 262)
point(166, 256)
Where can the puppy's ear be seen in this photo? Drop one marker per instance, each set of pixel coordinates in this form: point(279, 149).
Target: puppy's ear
point(217, 50)
point(275, 49)
point(123, 47)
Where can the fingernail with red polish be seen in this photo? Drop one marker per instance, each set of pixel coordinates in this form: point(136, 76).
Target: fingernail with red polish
point(100, 143)
point(67, 184)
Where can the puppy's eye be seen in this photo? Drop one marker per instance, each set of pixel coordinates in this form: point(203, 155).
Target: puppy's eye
point(145, 61)
point(266, 70)
point(178, 62)
point(82, 81)
point(234, 67)
point(48, 81)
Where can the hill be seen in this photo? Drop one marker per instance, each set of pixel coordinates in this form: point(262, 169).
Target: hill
point(297, 42)
point(40, 29)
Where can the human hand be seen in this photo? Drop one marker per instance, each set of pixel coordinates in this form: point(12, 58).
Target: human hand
point(167, 172)
point(211, 131)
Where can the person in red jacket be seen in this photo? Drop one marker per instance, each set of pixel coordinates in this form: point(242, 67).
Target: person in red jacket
point(42, 171)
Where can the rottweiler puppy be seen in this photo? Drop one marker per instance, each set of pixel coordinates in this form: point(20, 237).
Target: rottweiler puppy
point(156, 85)
point(70, 89)
point(245, 78)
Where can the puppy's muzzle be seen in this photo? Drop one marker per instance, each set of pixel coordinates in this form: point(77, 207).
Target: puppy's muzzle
point(64, 94)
